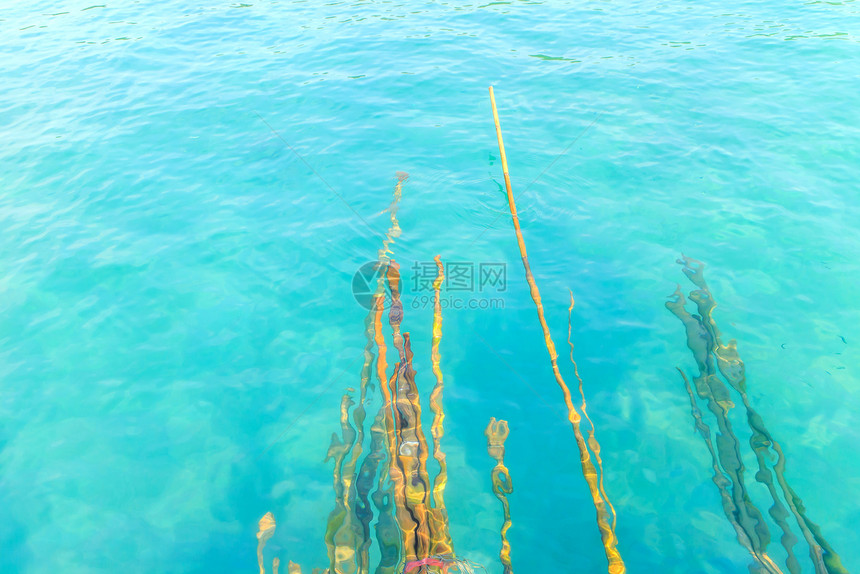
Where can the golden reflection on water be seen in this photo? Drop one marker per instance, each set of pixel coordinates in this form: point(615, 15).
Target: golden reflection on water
point(497, 433)
point(390, 483)
point(265, 530)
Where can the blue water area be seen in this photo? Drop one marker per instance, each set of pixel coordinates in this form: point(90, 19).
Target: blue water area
point(187, 190)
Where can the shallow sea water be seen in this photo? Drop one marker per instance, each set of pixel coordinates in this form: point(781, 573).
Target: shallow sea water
point(176, 318)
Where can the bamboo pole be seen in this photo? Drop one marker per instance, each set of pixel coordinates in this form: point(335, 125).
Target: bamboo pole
point(607, 533)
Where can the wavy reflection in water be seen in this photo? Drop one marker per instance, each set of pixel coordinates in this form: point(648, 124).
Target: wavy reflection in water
point(350, 540)
point(343, 535)
point(348, 536)
point(441, 543)
point(715, 360)
point(753, 533)
point(381, 480)
point(762, 560)
point(265, 530)
point(592, 439)
point(387, 530)
point(497, 434)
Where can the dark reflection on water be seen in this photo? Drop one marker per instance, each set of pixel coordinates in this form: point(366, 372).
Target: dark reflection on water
point(719, 364)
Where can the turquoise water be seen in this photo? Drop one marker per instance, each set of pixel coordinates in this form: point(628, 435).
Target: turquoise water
point(176, 314)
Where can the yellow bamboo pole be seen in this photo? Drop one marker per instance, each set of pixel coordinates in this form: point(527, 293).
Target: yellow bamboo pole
point(607, 534)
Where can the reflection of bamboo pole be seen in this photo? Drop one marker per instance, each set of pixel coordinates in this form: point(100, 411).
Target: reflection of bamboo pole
point(440, 536)
point(730, 365)
point(592, 440)
point(265, 530)
point(341, 535)
point(607, 534)
point(388, 428)
point(387, 530)
point(424, 528)
point(367, 470)
point(348, 530)
point(497, 434)
point(729, 506)
point(404, 521)
point(711, 389)
point(412, 449)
